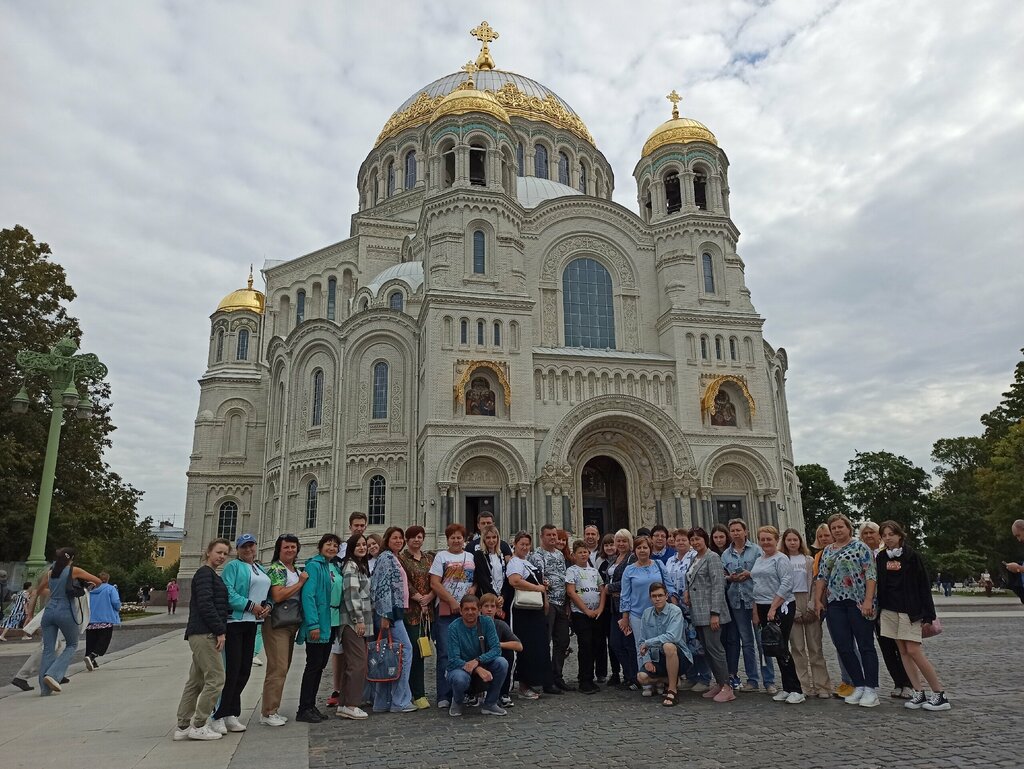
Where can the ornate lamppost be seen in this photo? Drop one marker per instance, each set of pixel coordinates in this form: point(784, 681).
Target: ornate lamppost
point(63, 368)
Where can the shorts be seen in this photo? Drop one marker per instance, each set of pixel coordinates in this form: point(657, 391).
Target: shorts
point(898, 625)
point(660, 669)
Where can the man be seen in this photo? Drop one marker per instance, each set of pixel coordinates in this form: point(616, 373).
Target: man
point(551, 563)
point(356, 525)
point(661, 550)
point(487, 519)
point(1017, 585)
point(738, 559)
point(5, 593)
point(474, 651)
point(662, 647)
point(592, 539)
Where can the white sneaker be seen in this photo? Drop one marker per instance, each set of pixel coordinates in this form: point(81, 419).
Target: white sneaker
point(203, 733)
point(218, 725)
point(854, 699)
point(699, 688)
point(274, 719)
point(869, 700)
point(443, 704)
point(795, 698)
point(781, 696)
point(182, 734)
point(648, 691)
point(354, 713)
point(257, 662)
point(90, 664)
point(233, 724)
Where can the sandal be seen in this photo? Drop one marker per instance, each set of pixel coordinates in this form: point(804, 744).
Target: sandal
point(670, 699)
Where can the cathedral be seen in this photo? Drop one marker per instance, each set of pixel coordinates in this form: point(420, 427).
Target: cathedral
point(497, 334)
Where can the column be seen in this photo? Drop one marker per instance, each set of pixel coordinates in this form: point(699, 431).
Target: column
point(566, 513)
point(775, 513)
point(694, 510)
point(658, 202)
point(659, 516)
point(686, 180)
point(547, 505)
point(524, 509)
point(461, 165)
point(678, 500)
point(762, 509)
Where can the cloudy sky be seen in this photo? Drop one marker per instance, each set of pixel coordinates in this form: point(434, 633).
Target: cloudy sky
point(876, 148)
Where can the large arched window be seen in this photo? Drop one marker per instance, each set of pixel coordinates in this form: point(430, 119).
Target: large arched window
point(410, 169)
point(540, 162)
point(311, 500)
point(497, 333)
point(463, 331)
point(375, 505)
point(479, 253)
point(332, 298)
point(227, 521)
point(220, 346)
point(395, 301)
point(709, 273)
point(478, 165)
point(520, 160)
point(391, 178)
point(243, 345)
point(380, 390)
point(300, 306)
point(376, 188)
point(318, 398)
point(448, 156)
point(583, 179)
point(587, 305)
point(700, 190)
point(480, 333)
point(563, 169)
point(673, 193)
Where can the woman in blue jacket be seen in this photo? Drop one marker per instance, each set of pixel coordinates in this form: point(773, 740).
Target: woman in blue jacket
point(104, 615)
point(316, 631)
point(248, 586)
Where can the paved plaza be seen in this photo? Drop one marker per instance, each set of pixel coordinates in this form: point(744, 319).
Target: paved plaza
point(122, 716)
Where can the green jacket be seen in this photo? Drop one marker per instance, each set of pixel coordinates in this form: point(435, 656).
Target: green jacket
point(316, 601)
point(236, 576)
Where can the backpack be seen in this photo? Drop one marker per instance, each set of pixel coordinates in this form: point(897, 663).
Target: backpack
point(772, 642)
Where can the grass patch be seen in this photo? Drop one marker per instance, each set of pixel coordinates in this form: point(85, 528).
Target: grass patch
point(128, 616)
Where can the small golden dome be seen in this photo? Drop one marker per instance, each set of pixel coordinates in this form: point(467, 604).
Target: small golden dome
point(677, 130)
point(247, 298)
point(466, 98)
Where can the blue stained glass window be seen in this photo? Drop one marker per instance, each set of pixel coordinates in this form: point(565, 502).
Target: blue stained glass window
point(300, 306)
point(587, 305)
point(311, 500)
point(540, 161)
point(395, 301)
point(563, 169)
point(332, 297)
point(410, 170)
point(709, 274)
point(318, 398)
point(520, 160)
point(479, 253)
point(380, 391)
point(227, 520)
point(375, 505)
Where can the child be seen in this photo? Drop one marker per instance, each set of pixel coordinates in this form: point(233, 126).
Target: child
point(586, 590)
point(508, 641)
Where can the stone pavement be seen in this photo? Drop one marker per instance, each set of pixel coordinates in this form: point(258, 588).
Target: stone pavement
point(122, 715)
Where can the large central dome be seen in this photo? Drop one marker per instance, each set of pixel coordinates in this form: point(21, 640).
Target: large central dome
point(520, 96)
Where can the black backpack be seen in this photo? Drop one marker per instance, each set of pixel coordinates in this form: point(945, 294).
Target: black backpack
point(772, 642)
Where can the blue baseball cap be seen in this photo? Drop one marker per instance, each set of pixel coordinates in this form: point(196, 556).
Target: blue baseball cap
point(245, 539)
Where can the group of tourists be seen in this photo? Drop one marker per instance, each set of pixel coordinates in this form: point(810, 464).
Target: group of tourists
point(658, 613)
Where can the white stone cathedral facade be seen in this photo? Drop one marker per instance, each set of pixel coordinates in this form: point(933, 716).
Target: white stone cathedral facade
point(497, 334)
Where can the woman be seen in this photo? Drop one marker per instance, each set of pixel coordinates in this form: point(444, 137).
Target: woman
point(451, 577)
point(774, 601)
point(634, 596)
point(705, 595)
point(719, 538)
point(905, 600)
point(902, 687)
point(533, 663)
point(489, 568)
point(608, 551)
point(60, 615)
point(205, 632)
point(172, 596)
point(321, 591)
point(822, 540)
point(279, 642)
point(105, 615)
point(805, 637)
point(563, 546)
point(420, 613)
point(846, 582)
point(622, 643)
point(374, 544)
point(356, 625)
point(19, 611)
point(389, 591)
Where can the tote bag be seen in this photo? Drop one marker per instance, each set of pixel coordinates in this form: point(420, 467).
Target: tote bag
point(384, 660)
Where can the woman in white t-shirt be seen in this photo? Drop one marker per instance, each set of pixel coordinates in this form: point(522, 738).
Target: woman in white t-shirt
point(805, 637)
point(533, 663)
point(451, 577)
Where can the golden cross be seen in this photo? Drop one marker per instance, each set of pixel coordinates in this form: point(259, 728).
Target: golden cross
point(470, 69)
point(250, 276)
point(486, 35)
point(675, 99)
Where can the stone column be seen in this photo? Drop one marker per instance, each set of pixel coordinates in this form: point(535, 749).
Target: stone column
point(686, 182)
point(461, 165)
point(658, 201)
point(678, 501)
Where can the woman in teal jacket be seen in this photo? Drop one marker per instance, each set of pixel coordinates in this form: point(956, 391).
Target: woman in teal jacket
point(316, 631)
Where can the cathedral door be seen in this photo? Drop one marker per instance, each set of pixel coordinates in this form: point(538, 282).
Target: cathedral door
point(605, 502)
point(727, 508)
point(476, 504)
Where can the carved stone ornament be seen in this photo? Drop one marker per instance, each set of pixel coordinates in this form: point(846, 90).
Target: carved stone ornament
point(707, 401)
point(464, 370)
point(588, 244)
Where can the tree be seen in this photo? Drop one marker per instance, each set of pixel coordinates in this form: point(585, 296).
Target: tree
point(820, 497)
point(1008, 413)
point(960, 563)
point(884, 486)
point(93, 508)
point(957, 514)
point(1001, 484)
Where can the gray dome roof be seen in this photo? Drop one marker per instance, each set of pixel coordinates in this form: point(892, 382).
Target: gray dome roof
point(410, 273)
point(532, 191)
point(486, 80)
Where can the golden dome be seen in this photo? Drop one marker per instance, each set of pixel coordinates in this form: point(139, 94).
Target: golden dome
point(677, 130)
point(243, 299)
point(467, 99)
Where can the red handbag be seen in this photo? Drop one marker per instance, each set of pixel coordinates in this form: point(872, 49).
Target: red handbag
point(930, 629)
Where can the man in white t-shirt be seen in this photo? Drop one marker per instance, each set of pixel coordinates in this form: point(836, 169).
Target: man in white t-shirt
point(585, 589)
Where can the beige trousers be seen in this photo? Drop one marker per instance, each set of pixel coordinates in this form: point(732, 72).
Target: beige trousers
point(353, 667)
point(278, 645)
point(805, 646)
point(205, 681)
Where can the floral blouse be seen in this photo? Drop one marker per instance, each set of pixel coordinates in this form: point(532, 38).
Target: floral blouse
point(846, 571)
point(419, 582)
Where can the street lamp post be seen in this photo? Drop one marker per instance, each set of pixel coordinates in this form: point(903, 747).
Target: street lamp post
point(63, 368)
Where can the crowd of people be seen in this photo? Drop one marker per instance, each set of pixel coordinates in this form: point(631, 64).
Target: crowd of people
point(659, 613)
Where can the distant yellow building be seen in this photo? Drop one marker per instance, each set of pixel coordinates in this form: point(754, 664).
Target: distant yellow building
point(168, 543)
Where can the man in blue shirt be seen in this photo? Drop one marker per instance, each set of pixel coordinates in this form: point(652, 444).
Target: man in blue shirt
point(662, 646)
point(474, 650)
point(738, 559)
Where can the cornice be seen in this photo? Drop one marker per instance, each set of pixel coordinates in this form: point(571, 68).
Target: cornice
point(555, 209)
point(750, 321)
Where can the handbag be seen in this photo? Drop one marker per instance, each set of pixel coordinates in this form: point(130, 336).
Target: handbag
point(286, 613)
point(423, 642)
point(931, 629)
point(383, 660)
point(772, 643)
point(528, 599)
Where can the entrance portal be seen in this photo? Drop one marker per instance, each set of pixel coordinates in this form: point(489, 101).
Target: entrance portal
point(475, 505)
point(727, 508)
point(605, 500)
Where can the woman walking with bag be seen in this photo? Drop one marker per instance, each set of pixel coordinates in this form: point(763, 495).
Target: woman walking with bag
point(62, 615)
point(772, 575)
point(805, 636)
point(356, 626)
point(285, 617)
point(529, 621)
point(420, 612)
point(389, 589)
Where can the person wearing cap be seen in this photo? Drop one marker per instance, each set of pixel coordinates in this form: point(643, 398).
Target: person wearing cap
point(248, 586)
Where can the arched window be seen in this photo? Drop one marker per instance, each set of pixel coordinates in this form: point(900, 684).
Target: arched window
point(563, 169)
point(220, 346)
point(479, 253)
point(718, 347)
point(410, 169)
point(376, 189)
point(311, 499)
point(243, 345)
point(520, 160)
point(395, 301)
point(587, 305)
point(391, 178)
point(497, 333)
point(227, 521)
point(709, 273)
point(583, 179)
point(448, 156)
point(332, 298)
point(300, 306)
point(375, 505)
point(478, 165)
point(733, 352)
point(279, 427)
point(480, 332)
point(540, 161)
point(705, 354)
point(380, 391)
point(673, 195)
point(318, 398)
point(464, 331)
point(700, 190)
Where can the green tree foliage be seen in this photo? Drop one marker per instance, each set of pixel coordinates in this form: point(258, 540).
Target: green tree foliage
point(93, 509)
point(1010, 411)
point(960, 563)
point(820, 497)
point(1002, 487)
point(884, 486)
point(955, 517)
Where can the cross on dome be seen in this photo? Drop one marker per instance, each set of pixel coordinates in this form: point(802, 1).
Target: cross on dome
point(675, 98)
point(486, 34)
point(470, 69)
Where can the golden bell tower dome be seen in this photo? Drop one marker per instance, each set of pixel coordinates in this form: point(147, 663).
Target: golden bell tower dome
point(677, 130)
point(466, 98)
point(247, 298)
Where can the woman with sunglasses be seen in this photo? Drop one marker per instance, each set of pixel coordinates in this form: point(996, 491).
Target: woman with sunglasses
point(279, 642)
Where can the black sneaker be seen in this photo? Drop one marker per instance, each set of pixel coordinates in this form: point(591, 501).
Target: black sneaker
point(65, 680)
point(937, 701)
point(588, 688)
point(552, 690)
point(22, 684)
point(565, 687)
point(614, 681)
point(309, 716)
point(915, 702)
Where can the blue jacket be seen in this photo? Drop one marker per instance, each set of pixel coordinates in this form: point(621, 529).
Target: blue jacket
point(659, 629)
point(464, 642)
point(316, 601)
point(636, 585)
point(740, 594)
point(104, 605)
point(236, 579)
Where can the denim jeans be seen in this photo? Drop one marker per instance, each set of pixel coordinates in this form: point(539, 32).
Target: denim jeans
point(624, 649)
point(440, 628)
point(699, 671)
point(395, 695)
point(741, 631)
point(851, 633)
point(459, 681)
point(57, 619)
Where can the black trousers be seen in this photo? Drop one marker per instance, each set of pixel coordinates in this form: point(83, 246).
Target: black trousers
point(558, 633)
point(97, 641)
point(317, 656)
point(790, 681)
point(239, 645)
point(893, 660)
point(589, 637)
